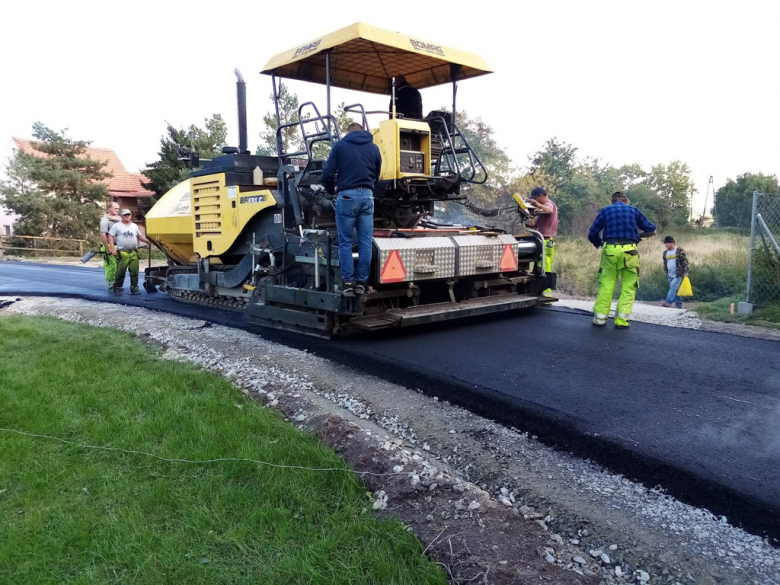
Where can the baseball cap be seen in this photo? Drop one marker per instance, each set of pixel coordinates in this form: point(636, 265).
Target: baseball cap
point(125, 212)
point(668, 240)
point(538, 191)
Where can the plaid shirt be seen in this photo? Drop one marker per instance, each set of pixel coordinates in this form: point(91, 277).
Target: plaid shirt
point(619, 222)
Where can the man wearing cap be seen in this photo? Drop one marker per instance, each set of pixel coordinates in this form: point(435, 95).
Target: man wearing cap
point(123, 239)
point(547, 225)
point(109, 259)
point(617, 227)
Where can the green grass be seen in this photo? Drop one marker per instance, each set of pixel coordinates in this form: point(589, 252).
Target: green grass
point(71, 515)
point(764, 315)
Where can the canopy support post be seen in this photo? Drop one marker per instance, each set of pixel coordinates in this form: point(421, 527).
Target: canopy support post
point(392, 96)
point(454, 99)
point(454, 70)
point(327, 79)
point(278, 118)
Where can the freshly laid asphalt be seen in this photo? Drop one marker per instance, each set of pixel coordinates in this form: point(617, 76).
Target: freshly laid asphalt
point(695, 412)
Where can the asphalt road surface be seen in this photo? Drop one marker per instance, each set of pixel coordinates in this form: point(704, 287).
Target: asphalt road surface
point(695, 412)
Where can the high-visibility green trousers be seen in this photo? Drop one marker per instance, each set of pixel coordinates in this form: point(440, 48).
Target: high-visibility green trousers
point(549, 252)
point(109, 266)
point(127, 261)
point(617, 261)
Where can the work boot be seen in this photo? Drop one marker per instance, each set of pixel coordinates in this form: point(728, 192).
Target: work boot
point(135, 291)
point(360, 288)
point(619, 326)
point(116, 290)
point(667, 305)
point(348, 289)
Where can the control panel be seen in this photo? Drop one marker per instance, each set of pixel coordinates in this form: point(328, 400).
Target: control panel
point(412, 162)
point(405, 146)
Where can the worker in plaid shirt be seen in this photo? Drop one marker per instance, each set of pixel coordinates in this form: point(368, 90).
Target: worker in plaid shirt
point(617, 228)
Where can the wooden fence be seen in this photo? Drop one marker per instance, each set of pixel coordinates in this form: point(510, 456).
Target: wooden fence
point(38, 244)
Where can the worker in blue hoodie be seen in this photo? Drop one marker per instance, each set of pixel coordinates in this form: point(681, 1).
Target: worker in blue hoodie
point(352, 170)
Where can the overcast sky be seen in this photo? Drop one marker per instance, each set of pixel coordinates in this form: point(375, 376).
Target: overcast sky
point(628, 82)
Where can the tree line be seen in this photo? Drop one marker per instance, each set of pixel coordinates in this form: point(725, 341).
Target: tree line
point(579, 186)
point(582, 186)
point(57, 191)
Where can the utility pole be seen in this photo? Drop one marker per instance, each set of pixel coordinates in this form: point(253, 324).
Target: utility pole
point(706, 198)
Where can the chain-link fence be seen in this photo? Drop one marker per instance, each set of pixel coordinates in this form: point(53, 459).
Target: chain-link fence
point(763, 284)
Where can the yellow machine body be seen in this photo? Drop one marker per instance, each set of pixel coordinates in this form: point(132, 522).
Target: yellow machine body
point(169, 224)
point(220, 213)
point(204, 217)
point(405, 146)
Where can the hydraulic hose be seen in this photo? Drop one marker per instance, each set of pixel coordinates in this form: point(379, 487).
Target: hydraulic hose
point(323, 201)
point(541, 238)
point(472, 207)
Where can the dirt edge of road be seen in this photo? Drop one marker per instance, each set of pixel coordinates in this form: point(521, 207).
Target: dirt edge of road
point(490, 504)
point(655, 314)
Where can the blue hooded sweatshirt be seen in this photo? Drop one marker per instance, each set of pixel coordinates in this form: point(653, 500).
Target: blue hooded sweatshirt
point(357, 161)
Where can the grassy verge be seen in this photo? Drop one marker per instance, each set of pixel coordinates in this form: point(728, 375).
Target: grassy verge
point(70, 515)
point(764, 315)
point(718, 263)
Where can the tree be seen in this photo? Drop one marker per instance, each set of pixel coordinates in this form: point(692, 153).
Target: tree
point(631, 175)
point(169, 171)
point(481, 138)
point(292, 141)
point(579, 188)
point(651, 203)
point(288, 113)
point(734, 201)
point(674, 184)
point(557, 160)
point(503, 179)
point(56, 191)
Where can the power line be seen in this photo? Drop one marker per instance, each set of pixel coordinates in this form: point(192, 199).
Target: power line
point(197, 461)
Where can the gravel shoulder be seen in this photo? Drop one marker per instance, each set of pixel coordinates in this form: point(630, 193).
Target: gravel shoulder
point(492, 505)
point(659, 315)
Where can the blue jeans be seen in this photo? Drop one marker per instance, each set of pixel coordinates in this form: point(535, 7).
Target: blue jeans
point(355, 211)
point(674, 286)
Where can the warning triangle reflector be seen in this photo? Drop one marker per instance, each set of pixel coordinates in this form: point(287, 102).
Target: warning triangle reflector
point(394, 269)
point(508, 259)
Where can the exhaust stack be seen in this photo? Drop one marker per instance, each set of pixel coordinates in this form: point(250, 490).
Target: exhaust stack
point(241, 95)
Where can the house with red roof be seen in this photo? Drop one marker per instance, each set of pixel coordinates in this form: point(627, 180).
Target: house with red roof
point(125, 188)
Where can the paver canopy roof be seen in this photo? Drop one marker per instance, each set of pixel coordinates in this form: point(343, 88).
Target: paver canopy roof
point(366, 58)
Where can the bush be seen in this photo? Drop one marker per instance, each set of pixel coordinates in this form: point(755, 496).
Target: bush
point(766, 276)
